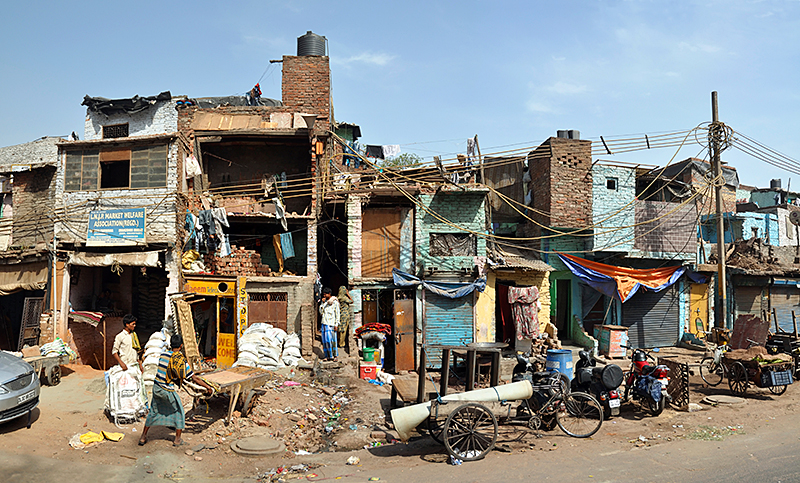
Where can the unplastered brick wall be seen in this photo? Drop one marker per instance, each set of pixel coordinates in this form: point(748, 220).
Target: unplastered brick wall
point(664, 228)
point(306, 86)
point(33, 193)
point(561, 182)
point(462, 208)
point(613, 212)
point(158, 119)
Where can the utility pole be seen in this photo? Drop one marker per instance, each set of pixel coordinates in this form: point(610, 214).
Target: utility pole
point(715, 133)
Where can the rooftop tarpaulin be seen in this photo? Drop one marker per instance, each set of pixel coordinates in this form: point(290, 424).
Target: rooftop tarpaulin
point(117, 106)
point(23, 276)
point(622, 283)
point(451, 290)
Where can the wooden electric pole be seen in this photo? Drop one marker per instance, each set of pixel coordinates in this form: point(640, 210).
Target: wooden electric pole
point(715, 133)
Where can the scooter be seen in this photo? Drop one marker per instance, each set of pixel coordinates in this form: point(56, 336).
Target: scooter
point(647, 382)
point(601, 382)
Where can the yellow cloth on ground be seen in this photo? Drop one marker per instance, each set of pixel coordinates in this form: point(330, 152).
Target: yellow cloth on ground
point(91, 437)
point(112, 436)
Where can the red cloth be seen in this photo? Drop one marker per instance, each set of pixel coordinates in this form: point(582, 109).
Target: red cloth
point(374, 327)
point(525, 307)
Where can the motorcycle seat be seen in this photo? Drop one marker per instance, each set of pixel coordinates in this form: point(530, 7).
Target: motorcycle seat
point(648, 369)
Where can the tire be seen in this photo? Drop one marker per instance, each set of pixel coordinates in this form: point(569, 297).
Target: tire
point(711, 372)
point(737, 379)
point(470, 432)
point(580, 415)
point(435, 428)
point(54, 376)
point(656, 408)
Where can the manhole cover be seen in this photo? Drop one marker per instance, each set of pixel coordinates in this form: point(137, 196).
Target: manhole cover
point(257, 446)
point(723, 399)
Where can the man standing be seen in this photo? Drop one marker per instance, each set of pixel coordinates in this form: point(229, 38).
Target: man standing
point(329, 309)
point(166, 408)
point(126, 345)
point(345, 314)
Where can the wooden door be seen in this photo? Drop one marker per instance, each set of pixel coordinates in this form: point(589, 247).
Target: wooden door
point(404, 330)
point(698, 309)
point(380, 241)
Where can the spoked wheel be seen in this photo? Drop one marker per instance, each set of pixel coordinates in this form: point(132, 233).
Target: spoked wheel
point(470, 432)
point(777, 390)
point(579, 415)
point(435, 427)
point(54, 376)
point(737, 379)
point(711, 372)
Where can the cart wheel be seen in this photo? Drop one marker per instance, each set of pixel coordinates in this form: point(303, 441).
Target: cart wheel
point(54, 376)
point(435, 427)
point(778, 390)
point(470, 432)
point(737, 379)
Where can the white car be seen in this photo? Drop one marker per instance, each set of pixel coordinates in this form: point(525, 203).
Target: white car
point(19, 387)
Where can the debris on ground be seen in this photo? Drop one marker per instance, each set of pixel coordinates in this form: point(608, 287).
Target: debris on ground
point(712, 433)
point(283, 473)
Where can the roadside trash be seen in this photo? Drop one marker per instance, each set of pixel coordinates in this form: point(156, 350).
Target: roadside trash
point(291, 383)
point(91, 437)
point(302, 452)
point(694, 407)
point(112, 436)
point(353, 427)
point(374, 478)
point(375, 382)
point(642, 439)
point(455, 461)
point(353, 460)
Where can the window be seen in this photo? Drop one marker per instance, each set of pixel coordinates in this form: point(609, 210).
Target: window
point(115, 131)
point(453, 245)
point(118, 168)
point(611, 183)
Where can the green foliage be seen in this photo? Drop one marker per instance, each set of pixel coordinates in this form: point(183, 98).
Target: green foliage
point(404, 160)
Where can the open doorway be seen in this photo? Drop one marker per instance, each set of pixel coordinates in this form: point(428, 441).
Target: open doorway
point(563, 307)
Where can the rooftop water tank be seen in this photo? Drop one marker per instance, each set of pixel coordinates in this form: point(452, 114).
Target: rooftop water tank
point(311, 44)
point(775, 184)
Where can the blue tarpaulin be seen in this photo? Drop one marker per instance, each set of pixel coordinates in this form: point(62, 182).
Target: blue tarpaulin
point(451, 290)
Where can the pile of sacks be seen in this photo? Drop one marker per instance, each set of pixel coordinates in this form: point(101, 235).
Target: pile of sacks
point(58, 348)
point(157, 344)
point(268, 347)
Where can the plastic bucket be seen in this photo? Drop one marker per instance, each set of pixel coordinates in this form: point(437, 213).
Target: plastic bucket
point(560, 360)
point(368, 354)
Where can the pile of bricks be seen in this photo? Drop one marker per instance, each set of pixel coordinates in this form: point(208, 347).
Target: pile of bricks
point(240, 262)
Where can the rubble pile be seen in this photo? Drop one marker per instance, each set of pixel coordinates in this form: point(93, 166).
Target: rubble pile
point(240, 262)
point(545, 343)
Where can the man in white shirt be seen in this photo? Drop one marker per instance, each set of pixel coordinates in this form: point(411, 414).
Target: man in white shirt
point(126, 345)
point(329, 309)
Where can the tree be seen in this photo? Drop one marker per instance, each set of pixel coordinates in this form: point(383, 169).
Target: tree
point(404, 160)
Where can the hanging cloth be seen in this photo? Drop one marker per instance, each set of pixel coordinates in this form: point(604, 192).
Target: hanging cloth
point(276, 242)
point(390, 150)
point(374, 151)
point(525, 307)
point(192, 167)
point(280, 212)
point(471, 151)
point(287, 245)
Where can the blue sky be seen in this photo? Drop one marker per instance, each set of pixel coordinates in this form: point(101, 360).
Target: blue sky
point(428, 75)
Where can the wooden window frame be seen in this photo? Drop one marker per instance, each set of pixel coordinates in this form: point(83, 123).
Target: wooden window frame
point(152, 170)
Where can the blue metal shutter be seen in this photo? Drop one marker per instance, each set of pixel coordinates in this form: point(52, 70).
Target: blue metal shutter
point(447, 322)
point(784, 299)
point(652, 318)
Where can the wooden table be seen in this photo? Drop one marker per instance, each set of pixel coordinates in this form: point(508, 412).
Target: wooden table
point(471, 354)
point(407, 387)
point(235, 381)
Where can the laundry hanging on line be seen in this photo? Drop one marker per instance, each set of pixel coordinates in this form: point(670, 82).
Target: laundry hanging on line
point(287, 245)
point(390, 150)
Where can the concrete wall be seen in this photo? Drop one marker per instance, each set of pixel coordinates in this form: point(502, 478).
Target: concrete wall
point(613, 210)
point(158, 119)
point(462, 208)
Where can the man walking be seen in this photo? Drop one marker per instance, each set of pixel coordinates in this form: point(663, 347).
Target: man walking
point(329, 309)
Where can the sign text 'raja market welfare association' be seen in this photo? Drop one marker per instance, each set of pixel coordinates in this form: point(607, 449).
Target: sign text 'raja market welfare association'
point(116, 227)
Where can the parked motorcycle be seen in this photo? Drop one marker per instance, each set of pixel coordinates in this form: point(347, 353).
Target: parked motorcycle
point(601, 382)
point(647, 382)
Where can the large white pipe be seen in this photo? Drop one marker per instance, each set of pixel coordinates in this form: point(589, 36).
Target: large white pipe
point(407, 418)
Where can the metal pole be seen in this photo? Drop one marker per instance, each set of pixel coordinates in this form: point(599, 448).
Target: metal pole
point(715, 131)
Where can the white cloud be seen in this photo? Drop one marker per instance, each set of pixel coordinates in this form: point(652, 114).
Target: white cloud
point(697, 47)
point(539, 107)
point(369, 58)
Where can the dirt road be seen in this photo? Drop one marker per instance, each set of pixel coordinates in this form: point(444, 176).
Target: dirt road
point(758, 437)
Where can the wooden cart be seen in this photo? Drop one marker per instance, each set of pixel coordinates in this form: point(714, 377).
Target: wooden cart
point(48, 368)
point(235, 381)
point(745, 373)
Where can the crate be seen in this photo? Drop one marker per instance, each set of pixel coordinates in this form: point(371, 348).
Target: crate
point(776, 378)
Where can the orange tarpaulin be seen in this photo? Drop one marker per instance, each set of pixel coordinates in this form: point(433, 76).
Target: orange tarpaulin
point(626, 280)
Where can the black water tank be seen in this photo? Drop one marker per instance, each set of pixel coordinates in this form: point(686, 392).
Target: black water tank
point(775, 184)
point(311, 44)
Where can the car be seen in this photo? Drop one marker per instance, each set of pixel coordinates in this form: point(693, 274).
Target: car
point(19, 387)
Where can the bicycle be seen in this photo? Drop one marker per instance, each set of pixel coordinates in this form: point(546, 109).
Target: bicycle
point(712, 370)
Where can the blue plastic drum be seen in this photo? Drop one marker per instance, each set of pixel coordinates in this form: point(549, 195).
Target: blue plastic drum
point(561, 361)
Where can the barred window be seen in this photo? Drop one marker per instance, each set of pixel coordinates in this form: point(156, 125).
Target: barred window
point(115, 131)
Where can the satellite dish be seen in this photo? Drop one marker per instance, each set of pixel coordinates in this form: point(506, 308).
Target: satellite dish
point(794, 217)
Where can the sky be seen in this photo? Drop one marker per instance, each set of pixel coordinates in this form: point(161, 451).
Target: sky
point(429, 75)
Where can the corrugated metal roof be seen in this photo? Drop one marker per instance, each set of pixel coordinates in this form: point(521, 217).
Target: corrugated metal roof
point(512, 258)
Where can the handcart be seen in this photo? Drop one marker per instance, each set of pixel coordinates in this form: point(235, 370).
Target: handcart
point(240, 380)
point(48, 368)
point(468, 429)
point(745, 373)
